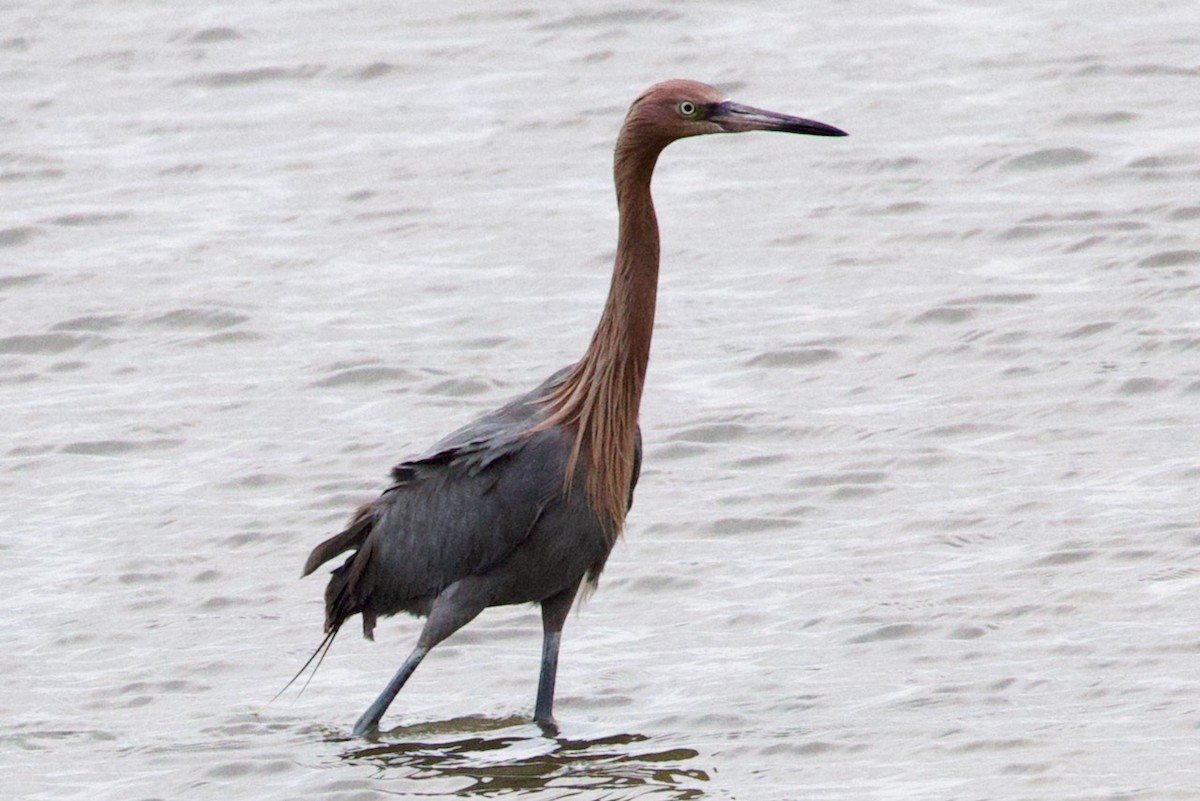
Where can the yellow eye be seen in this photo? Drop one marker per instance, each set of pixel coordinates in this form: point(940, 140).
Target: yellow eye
point(688, 109)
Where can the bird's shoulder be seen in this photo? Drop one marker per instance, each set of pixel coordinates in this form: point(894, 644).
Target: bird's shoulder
point(488, 439)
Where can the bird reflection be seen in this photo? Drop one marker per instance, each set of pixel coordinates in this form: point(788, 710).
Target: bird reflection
point(492, 757)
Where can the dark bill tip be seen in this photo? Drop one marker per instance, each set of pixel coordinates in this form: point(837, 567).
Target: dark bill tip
point(735, 118)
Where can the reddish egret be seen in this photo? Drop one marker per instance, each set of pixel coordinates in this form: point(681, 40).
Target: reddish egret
point(524, 504)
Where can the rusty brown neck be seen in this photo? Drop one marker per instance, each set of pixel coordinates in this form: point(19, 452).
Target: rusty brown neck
point(627, 324)
point(599, 398)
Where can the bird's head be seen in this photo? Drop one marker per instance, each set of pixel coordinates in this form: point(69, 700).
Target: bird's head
point(679, 108)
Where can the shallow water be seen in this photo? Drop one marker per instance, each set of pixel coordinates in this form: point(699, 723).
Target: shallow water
point(917, 518)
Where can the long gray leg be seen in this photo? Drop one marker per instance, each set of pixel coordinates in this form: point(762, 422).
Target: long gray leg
point(370, 719)
point(454, 608)
point(554, 615)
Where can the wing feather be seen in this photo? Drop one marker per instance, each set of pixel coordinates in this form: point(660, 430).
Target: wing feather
point(458, 510)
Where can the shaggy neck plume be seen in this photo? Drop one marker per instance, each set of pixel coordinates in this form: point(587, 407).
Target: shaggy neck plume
point(600, 396)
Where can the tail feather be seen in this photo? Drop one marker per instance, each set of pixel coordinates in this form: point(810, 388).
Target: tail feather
point(322, 650)
point(353, 536)
point(347, 591)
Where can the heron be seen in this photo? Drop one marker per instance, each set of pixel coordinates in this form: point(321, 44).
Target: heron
point(524, 504)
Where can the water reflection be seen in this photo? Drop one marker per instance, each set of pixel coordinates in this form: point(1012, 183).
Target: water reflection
point(492, 757)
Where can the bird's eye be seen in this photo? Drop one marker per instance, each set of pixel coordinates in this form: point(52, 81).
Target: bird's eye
point(688, 109)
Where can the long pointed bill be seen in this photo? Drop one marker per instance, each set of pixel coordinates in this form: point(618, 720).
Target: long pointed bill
point(735, 118)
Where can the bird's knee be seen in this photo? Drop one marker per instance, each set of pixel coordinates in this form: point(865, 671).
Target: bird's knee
point(454, 608)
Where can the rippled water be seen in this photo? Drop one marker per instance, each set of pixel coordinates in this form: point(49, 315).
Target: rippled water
point(918, 517)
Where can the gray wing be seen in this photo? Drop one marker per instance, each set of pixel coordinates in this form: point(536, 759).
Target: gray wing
point(458, 510)
point(493, 432)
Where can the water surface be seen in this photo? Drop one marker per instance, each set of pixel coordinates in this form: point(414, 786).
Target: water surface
point(918, 517)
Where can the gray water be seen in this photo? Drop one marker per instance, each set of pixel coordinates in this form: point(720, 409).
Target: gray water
point(918, 517)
